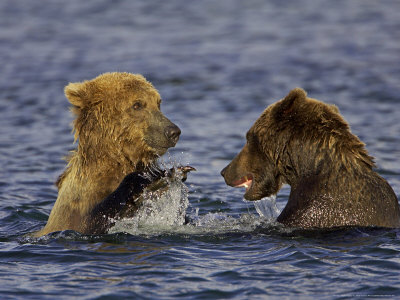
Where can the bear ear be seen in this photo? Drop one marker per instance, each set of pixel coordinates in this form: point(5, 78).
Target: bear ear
point(334, 108)
point(295, 96)
point(76, 94)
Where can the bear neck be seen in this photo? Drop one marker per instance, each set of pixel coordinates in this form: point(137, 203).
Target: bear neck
point(348, 198)
point(101, 161)
point(342, 154)
point(323, 182)
point(106, 156)
point(322, 164)
point(105, 164)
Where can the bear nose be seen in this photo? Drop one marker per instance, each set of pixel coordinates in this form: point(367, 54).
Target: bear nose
point(223, 172)
point(172, 132)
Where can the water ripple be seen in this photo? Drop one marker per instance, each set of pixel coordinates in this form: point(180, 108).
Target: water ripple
point(217, 65)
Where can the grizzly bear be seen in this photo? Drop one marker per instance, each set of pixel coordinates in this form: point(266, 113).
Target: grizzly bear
point(120, 129)
point(307, 144)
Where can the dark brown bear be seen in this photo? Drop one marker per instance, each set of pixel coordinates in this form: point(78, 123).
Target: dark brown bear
point(120, 129)
point(307, 144)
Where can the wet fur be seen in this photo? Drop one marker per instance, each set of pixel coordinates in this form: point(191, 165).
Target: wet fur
point(307, 144)
point(128, 198)
point(116, 136)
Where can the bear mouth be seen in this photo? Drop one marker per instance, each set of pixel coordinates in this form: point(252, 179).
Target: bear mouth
point(245, 181)
point(157, 148)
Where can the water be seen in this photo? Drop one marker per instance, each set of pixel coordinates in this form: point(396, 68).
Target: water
point(217, 65)
point(158, 211)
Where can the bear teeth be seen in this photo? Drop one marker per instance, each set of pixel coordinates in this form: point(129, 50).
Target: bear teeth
point(244, 182)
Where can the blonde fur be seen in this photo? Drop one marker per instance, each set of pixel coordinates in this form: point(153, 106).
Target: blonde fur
point(111, 144)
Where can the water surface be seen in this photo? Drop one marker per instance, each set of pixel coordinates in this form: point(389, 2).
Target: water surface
point(217, 65)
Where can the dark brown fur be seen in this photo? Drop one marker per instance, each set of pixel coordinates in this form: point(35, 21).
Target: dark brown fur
point(120, 129)
point(307, 144)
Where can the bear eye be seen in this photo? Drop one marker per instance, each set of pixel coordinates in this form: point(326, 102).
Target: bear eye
point(138, 105)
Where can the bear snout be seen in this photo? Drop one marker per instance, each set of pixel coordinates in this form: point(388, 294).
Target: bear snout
point(223, 172)
point(172, 132)
point(226, 174)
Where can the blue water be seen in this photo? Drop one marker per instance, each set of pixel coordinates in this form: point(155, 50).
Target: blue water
point(217, 65)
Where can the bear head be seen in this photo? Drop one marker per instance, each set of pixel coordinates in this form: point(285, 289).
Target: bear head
point(118, 117)
point(294, 137)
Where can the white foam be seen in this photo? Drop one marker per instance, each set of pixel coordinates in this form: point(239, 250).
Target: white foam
point(158, 211)
point(267, 208)
point(166, 213)
point(219, 223)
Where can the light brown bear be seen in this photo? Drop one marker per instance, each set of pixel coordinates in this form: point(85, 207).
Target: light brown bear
point(120, 129)
point(307, 144)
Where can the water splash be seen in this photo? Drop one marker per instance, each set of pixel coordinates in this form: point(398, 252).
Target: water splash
point(222, 223)
point(166, 212)
point(267, 208)
point(158, 210)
